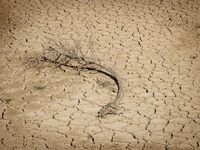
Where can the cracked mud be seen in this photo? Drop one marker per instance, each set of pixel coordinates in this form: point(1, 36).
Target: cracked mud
point(153, 46)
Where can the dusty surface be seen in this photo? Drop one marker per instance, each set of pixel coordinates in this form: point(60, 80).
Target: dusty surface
point(153, 46)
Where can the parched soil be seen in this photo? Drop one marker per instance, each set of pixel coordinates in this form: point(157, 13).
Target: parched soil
point(152, 45)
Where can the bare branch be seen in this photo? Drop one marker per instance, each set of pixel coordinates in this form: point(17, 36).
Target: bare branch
point(72, 57)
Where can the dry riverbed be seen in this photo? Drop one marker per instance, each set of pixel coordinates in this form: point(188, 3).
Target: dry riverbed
point(153, 46)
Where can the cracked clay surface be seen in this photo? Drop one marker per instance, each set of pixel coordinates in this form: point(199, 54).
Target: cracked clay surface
point(153, 45)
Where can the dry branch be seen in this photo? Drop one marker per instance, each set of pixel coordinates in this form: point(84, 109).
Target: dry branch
point(72, 57)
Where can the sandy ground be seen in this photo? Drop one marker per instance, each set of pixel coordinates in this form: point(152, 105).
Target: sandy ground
point(153, 45)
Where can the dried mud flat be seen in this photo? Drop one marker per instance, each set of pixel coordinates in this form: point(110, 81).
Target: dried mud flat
point(154, 46)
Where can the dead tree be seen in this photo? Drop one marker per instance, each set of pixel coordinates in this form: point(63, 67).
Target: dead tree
point(72, 57)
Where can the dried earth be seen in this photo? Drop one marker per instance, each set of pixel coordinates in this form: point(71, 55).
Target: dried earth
point(153, 45)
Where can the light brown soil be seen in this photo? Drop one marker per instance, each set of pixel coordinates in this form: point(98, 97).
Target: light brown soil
point(153, 45)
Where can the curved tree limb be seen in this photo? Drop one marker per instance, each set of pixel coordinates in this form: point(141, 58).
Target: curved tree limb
point(69, 57)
